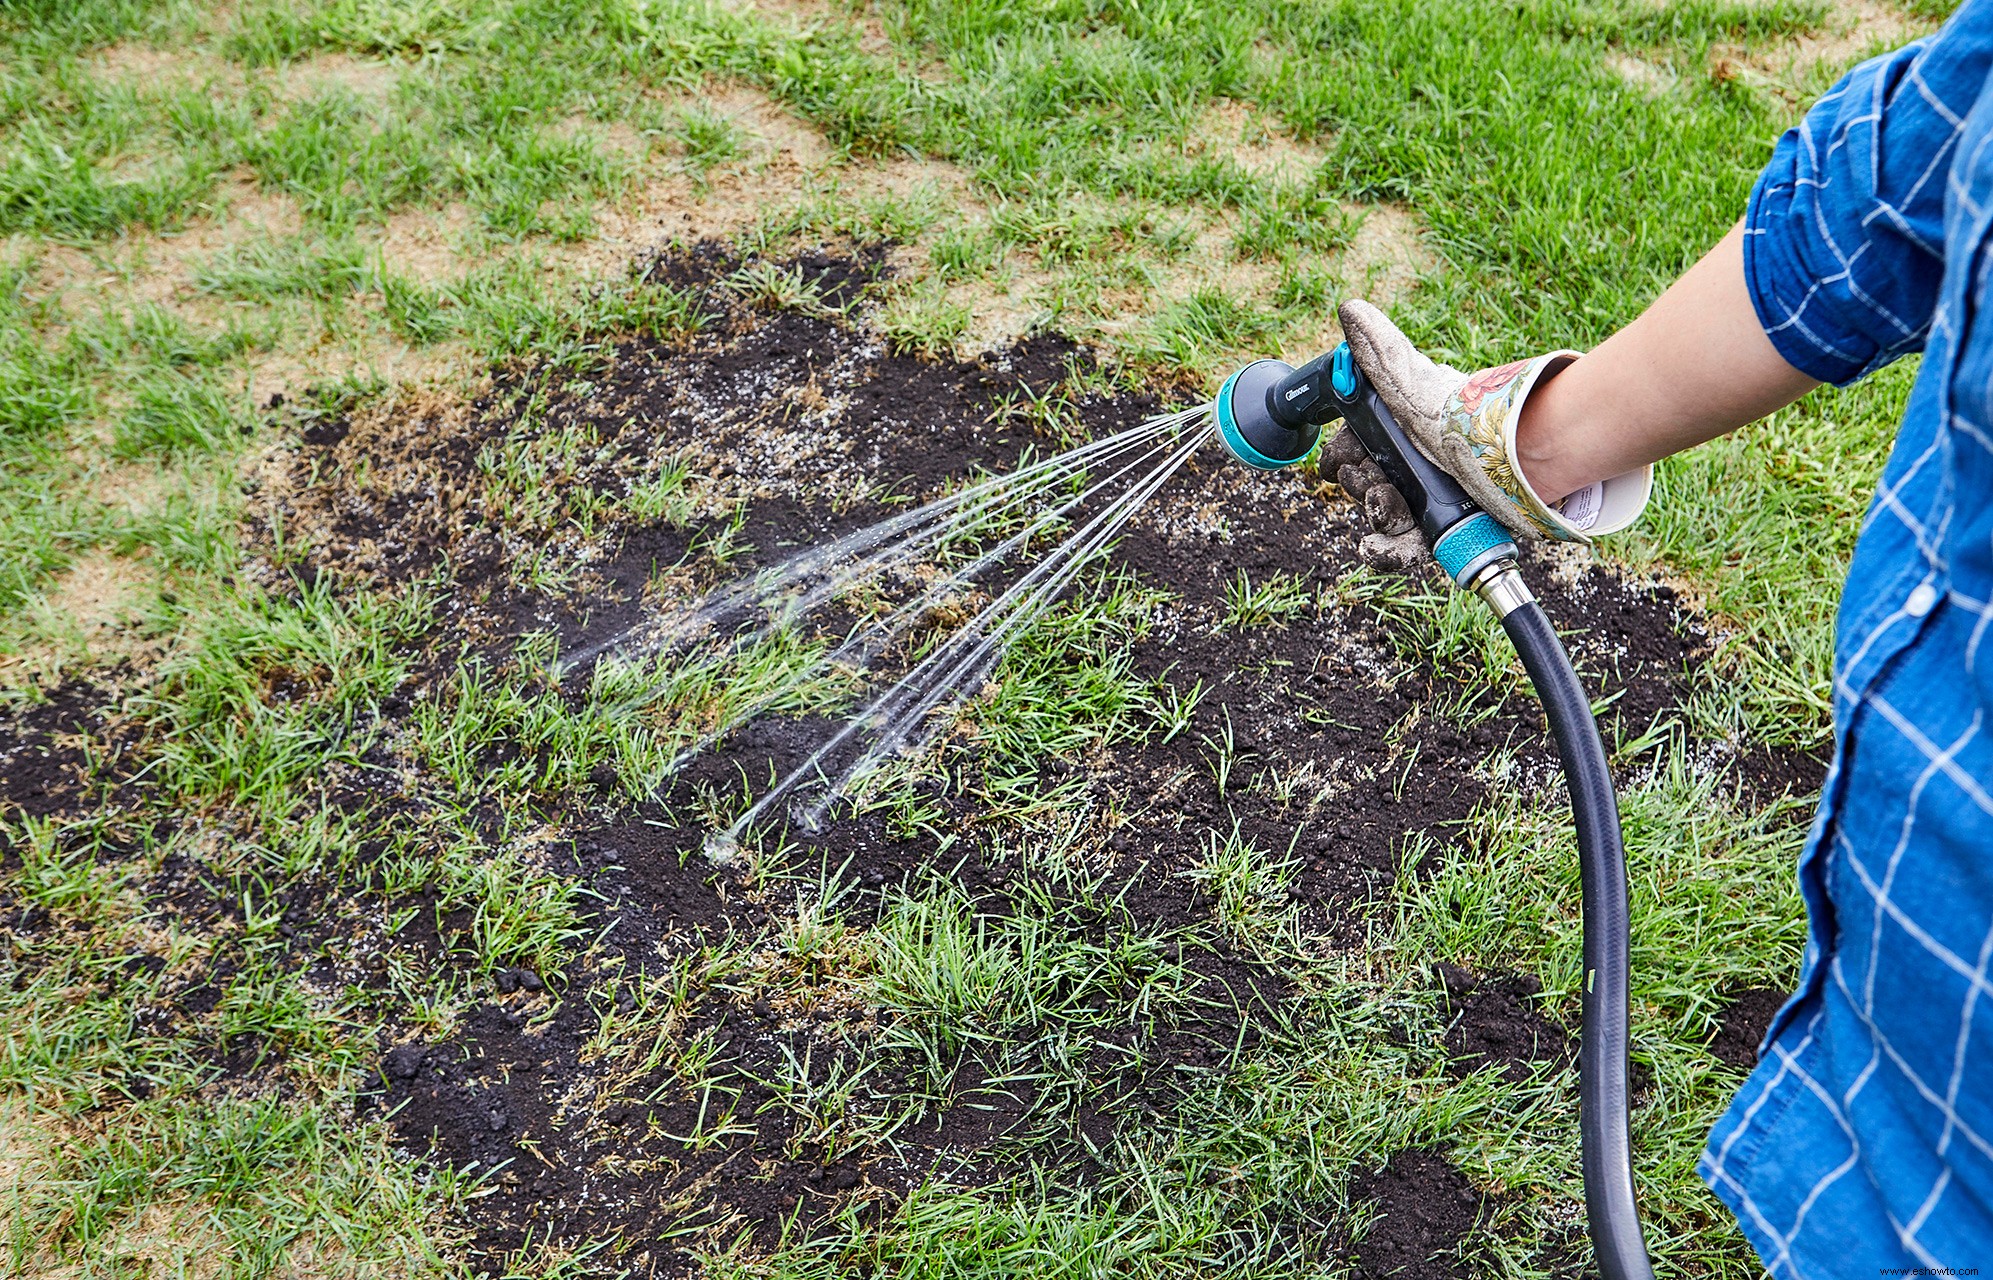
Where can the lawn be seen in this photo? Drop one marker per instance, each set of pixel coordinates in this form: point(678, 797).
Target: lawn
point(377, 378)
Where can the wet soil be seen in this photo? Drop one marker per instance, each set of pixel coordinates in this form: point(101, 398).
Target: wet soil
point(1496, 1022)
point(1741, 1027)
point(1426, 1214)
point(656, 1086)
point(1766, 774)
point(45, 769)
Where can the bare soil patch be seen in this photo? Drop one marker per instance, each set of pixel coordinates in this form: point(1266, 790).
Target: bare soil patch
point(858, 15)
point(1854, 29)
point(782, 156)
point(45, 765)
point(1256, 143)
point(1742, 1025)
point(309, 77)
point(1497, 1022)
point(494, 1092)
point(1426, 1213)
point(146, 67)
point(1649, 77)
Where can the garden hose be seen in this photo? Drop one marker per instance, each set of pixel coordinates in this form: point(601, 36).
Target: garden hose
point(1270, 415)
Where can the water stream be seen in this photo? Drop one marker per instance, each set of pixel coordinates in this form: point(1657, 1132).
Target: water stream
point(1062, 512)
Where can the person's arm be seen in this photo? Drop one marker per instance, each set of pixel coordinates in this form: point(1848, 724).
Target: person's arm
point(1695, 365)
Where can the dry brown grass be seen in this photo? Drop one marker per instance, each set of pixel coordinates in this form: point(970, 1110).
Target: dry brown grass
point(365, 357)
point(1649, 77)
point(862, 17)
point(390, 445)
point(148, 66)
point(783, 158)
point(22, 1142)
point(1794, 68)
point(85, 617)
point(1388, 254)
point(130, 488)
point(309, 77)
point(1854, 29)
point(1256, 143)
point(428, 245)
point(180, 1240)
point(97, 591)
point(157, 267)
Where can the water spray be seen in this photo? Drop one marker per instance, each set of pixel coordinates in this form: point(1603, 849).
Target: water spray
point(1064, 511)
point(1271, 415)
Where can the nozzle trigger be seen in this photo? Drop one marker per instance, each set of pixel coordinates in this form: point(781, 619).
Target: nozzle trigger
point(1342, 372)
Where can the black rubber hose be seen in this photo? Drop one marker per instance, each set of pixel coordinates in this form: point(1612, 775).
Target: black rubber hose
point(1610, 1208)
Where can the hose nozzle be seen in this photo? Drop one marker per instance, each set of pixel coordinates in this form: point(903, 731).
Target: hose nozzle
point(1271, 415)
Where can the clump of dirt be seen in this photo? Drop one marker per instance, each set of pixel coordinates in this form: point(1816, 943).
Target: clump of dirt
point(1741, 1027)
point(1426, 1212)
point(1495, 1021)
point(1767, 774)
point(44, 768)
point(63, 755)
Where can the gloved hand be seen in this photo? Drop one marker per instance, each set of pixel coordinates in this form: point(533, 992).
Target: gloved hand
point(1467, 425)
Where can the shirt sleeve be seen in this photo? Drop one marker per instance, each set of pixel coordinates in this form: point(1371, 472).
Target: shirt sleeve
point(1844, 238)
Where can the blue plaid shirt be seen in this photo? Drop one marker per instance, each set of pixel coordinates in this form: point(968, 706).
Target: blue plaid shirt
point(1863, 1142)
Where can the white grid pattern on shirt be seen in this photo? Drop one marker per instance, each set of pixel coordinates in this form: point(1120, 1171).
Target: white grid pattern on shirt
point(1909, 336)
point(1941, 762)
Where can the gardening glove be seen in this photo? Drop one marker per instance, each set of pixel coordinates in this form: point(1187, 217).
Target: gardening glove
point(1394, 542)
point(1466, 424)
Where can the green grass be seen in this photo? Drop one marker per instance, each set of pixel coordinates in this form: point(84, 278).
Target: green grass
point(1552, 199)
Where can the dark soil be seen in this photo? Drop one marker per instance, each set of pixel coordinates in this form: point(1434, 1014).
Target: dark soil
point(1766, 774)
point(661, 895)
point(1427, 1211)
point(1742, 1025)
point(494, 1098)
point(1638, 645)
point(44, 768)
point(1495, 1022)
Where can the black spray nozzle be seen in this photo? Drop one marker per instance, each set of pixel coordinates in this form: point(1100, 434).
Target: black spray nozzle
point(1257, 429)
point(1270, 415)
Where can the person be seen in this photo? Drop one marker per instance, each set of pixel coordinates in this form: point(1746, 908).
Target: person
point(1862, 1143)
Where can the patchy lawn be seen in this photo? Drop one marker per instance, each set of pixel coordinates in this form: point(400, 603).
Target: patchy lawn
point(363, 360)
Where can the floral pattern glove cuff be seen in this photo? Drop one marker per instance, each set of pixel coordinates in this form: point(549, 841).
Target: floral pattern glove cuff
point(1467, 424)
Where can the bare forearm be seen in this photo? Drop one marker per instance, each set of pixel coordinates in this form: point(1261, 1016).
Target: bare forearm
point(1695, 365)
